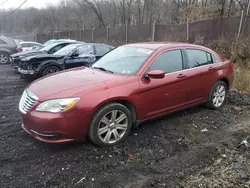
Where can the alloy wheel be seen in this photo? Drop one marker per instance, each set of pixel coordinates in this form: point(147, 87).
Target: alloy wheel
point(50, 71)
point(3, 59)
point(113, 126)
point(219, 96)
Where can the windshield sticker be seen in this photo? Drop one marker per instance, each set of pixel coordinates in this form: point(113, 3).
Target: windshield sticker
point(145, 51)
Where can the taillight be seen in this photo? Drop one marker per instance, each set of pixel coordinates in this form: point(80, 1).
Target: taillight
point(15, 47)
point(21, 49)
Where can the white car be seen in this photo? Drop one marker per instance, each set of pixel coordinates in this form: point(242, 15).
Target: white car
point(27, 46)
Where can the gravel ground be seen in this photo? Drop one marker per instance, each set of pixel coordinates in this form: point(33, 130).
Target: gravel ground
point(192, 148)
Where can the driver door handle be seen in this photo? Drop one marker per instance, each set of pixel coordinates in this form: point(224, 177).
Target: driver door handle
point(181, 76)
point(211, 68)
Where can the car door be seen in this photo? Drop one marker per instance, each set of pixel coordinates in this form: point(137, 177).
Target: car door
point(201, 74)
point(167, 94)
point(82, 56)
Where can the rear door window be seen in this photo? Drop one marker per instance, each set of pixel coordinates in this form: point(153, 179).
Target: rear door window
point(32, 44)
point(55, 49)
point(25, 45)
point(85, 49)
point(168, 62)
point(197, 58)
point(101, 50)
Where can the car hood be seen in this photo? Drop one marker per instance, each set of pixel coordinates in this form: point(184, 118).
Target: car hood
point(40, 57)
point(27, 53)
point(71, 83)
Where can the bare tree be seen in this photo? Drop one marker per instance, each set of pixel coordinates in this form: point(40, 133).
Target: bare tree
point(102, 13)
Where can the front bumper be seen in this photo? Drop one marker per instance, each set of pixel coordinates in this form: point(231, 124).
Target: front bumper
point(26, 72)
point(57, 128)
point(14, 62)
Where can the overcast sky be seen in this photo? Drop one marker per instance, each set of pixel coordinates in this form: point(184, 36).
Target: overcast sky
point(29, 3)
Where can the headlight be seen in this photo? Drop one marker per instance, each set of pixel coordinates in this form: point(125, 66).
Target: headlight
point(25, 59)
point(57, 105)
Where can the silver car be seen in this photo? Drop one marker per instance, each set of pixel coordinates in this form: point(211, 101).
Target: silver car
point(27, 46)
point(7, 47)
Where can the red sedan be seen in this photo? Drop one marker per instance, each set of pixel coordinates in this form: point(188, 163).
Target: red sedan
point(129, 85)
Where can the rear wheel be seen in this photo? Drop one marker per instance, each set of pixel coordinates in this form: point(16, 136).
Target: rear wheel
point(50, 70)
point(110, 125)
point(4, 58)
point(217, 97)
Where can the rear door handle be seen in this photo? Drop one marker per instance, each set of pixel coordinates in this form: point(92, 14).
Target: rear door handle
point(181, 76)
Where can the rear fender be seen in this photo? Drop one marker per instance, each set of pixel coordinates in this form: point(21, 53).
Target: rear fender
point(4, 50)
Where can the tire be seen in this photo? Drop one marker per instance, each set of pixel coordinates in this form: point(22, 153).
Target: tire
point(110, 126)
point(49, 70)
point(217, 96)
point(4, 58)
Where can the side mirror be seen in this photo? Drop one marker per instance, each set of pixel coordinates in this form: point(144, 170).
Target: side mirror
point(156, 74)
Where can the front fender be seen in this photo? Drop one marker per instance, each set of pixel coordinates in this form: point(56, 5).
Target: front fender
point(115, 99)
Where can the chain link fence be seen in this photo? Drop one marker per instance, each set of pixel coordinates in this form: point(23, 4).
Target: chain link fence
point(193, 32)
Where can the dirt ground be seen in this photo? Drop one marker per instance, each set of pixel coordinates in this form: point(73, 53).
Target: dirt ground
point(193, 148)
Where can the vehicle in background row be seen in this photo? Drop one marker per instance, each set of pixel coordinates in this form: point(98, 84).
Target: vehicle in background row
point(57, 40)
point(71, 56)
point(127, 86)
point(28, 46)
point(7, 47)
point(19, 40)
point(50, 49)
point(49, 42)
point(19, 46)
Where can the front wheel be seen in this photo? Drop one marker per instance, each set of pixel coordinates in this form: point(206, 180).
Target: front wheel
point(50, 70)
point(217, 96)
point(110, 125)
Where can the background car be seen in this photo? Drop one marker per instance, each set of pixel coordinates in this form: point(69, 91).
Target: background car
point(129, 85)
point(57, 40)
point(28, 45)
point(50, 49)
point(7, 47)
point(49, 42)
point(18, 44)
point(71, 56)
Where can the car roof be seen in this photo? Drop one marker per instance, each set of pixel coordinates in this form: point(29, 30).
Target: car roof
point(29, 42)
point(160, 45)
point(6, 39)
point(75, 44)
point(92, 43)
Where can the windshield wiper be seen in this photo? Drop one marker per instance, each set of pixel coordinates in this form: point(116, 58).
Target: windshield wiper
point(103, 69)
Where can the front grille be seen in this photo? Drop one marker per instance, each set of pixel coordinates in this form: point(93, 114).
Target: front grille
point(23, 65)
point(27, 102)
point(15, 62)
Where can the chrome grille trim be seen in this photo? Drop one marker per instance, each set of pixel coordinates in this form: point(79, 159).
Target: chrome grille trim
point(27, 102)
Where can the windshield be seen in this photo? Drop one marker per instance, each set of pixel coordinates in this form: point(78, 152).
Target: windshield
point(124, 60)
point(67, 49)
